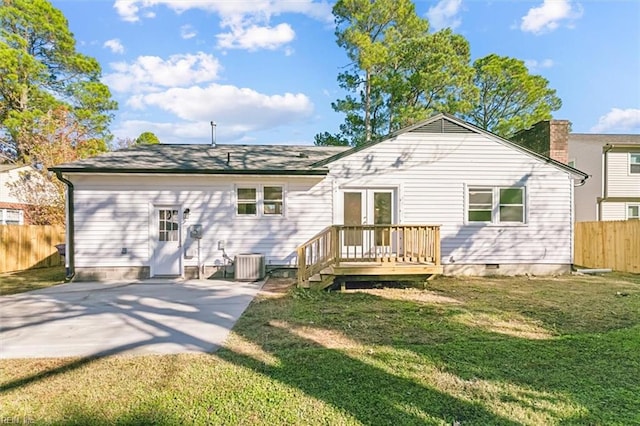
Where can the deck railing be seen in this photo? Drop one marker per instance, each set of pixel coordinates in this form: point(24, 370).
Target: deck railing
point(368, 243)
point(317, 253)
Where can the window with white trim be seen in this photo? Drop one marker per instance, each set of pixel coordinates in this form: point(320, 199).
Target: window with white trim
point(273, 200)
point(11, 217)
point(480, 204)
point(633, 211)
point(247, 201)
point(489, 204)
point(634, 163)
point(267, 200)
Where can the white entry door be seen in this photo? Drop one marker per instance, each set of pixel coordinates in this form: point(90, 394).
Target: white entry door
point(367, 207)
point(166, 253)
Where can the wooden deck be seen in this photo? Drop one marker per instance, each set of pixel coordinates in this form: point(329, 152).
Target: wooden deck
point(369, 250)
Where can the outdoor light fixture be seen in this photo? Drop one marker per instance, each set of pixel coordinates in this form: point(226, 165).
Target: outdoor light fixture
point(185, 213)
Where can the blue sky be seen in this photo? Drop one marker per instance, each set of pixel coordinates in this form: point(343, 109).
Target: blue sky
point(265, 70)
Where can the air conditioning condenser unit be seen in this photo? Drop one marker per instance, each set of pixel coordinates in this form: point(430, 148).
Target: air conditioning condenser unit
point(249, 267)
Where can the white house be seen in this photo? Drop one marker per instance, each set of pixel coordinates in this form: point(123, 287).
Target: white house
point(12, 209)
point(613, 163)
point(497, 207)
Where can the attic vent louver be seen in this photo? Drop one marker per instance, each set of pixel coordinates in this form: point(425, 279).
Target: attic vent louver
point(441, 126)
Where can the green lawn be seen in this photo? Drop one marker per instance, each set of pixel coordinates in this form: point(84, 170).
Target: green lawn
point(509, 351)
point(30, 279)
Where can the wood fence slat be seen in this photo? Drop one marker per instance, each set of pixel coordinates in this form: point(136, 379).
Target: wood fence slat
point(30, 246)
point(608, 244)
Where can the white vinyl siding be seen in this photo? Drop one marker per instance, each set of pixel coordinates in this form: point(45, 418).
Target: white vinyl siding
point(113, 212)
point(613, 211)
point(433, 172)
point(620, 182)
point(7, 178)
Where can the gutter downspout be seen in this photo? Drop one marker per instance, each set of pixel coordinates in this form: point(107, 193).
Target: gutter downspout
point(69, 252)
point(605, 173)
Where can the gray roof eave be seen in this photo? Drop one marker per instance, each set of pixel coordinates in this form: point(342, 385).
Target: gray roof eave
point(165, 171)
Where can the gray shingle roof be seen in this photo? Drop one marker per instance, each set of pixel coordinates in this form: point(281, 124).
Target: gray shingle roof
point(201, 158)
point(603, 139)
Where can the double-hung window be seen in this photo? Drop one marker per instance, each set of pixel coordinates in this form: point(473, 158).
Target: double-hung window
point(272, 205)
point(247, 204)
point(267, 200)
point(480, 205)
point(494, 204)
point(634, 163)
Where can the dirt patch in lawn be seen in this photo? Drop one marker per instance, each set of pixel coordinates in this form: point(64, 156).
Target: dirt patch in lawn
point(276, 287)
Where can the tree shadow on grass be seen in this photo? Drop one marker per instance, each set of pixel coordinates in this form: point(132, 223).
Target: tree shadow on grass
point(471, 374)
point(596, 371)
point(366, 392)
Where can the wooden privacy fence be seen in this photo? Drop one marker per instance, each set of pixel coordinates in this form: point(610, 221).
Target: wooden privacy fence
point(614, 245)
point(29, 246)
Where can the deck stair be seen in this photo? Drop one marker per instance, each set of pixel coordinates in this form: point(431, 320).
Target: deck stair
point(368, 251)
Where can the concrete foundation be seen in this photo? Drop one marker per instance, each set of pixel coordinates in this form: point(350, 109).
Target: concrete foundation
point(112, 273)
point(221, 272)
point(483, 270)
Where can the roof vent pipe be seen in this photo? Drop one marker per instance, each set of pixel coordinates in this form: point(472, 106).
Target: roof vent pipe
point(213, 134)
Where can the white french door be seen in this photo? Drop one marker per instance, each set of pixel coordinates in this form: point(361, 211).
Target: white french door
point(367, 207)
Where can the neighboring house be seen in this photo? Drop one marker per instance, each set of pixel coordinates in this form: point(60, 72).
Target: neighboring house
point(613, 162)
point(12, 210)
point(496, 207)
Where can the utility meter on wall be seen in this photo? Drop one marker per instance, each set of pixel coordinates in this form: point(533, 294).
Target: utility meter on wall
point(195, 231)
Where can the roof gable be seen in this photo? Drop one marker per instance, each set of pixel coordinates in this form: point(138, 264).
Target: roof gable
point(448, 124)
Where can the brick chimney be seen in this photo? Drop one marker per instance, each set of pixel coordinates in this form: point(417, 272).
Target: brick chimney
point(559, 140)
point(549, 137)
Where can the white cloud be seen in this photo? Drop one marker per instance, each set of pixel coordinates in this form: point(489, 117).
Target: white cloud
point(255, 37)
point(619, 120)
point(152, 73)
point(535, 65)
point(114, 45)
point(445, 14)
point(548, 16)
point(167, 132)
point(230, 104)
point(129, 10)
point(187, 32)
point(248, 22)
point(190, 132)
